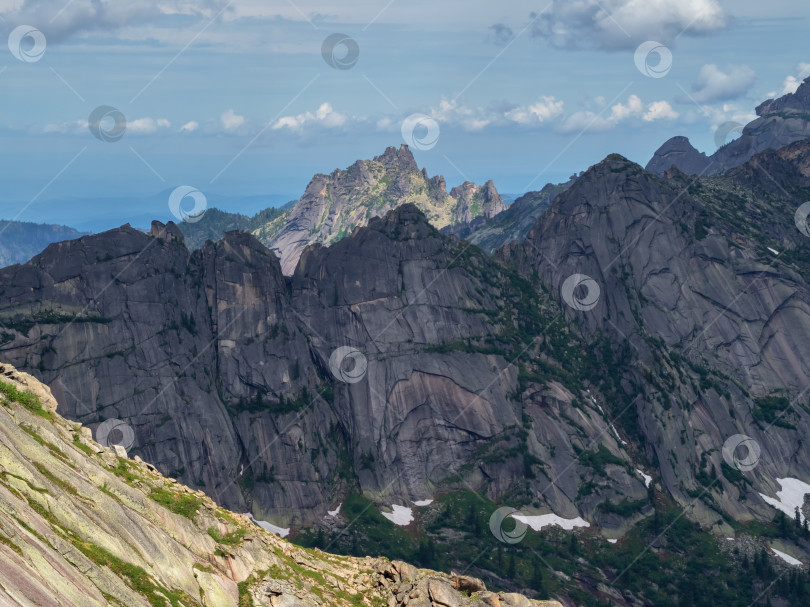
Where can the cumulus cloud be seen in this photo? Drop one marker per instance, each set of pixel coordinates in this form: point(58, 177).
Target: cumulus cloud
point(633, 108)
point(324, 116)
point(231, 121)
point(190, 127)
point(792, 83)
point(147, 126)
point(713, 84)
point(624, 24)
point(542, 111)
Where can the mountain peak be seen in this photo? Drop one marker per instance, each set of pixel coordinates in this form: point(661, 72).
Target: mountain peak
point(401, 158)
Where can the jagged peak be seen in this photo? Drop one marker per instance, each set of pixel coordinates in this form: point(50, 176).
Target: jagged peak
point(398, 158)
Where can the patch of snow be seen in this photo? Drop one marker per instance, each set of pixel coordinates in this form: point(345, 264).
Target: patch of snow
point(774, 251)
point(730, 539)
point(619, 438)
point(335, 511)
point(613, 541)
point(537, 522)
point(279, 531)
point(423, 503)
point(401, 515)
point(786, 557)
point(647, 478)
point(791, 495)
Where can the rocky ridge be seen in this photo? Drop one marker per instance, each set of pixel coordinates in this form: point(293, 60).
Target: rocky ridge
point(779, 122)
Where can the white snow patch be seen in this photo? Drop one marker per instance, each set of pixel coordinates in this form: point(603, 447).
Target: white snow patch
point(619, 438)
point(730, 539)
point(401, 515)
point(646, 477)
point(335, 511)
point(774, 251)
point(537, 522)
point(279, 531)
point(786, 557)
point(613, 541)
point(791, 496)
point(423, 503)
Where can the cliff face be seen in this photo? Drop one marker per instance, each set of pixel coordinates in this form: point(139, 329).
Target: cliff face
point(20, 241)
point(82, 525)
point(401, 363)
point(704, 284)
point(779, 122)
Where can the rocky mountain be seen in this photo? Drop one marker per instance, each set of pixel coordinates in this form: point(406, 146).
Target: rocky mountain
point(334, 205)
point(490, 233)
point(83, 525)
point(592, 375)
point(20, 241)
point(780, 122)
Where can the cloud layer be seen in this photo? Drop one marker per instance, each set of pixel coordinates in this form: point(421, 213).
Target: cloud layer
point(624, 24)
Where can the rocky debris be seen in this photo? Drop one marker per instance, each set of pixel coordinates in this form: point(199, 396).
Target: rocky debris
point(779, 122)
point(79, 529)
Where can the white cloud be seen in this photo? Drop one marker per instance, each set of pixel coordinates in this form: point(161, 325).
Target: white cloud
point(659, 110)
point(633, 108)
point(624, 24)
point(231, 121)
point(324, 116)
point(147, 126)
point(713, 84)
point(792, 83)
point(542, 111)
point(190, 127)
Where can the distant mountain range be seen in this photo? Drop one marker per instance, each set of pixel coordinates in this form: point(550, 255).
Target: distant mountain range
point(20, 241)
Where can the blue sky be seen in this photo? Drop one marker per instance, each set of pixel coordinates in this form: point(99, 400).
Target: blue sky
point(237, 100)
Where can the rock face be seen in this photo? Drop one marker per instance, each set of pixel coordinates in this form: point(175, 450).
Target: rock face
point(401, 363)
point(222, 367)
point(490, 233)
point(780, 122)
point(83, 527)
point(334, 205)
point(703, 284)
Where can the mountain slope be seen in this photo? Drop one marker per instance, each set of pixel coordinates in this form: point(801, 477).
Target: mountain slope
point(81, 525)
point(780, 122)
point(20, 241)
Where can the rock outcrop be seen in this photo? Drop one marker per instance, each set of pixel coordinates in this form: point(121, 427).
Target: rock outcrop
point(82, 527)
point(779, 122)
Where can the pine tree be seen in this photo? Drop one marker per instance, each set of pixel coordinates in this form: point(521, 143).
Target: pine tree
point(537, 579)
point(510, 570)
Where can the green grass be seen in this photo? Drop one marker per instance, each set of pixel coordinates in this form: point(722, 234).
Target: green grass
point(25, 398)
point(232, 538)
point(183, 504)
point(63, 485)
point(7, 542)
point(135, 577)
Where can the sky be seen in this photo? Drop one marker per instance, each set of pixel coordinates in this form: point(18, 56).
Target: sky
point(245, 100)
